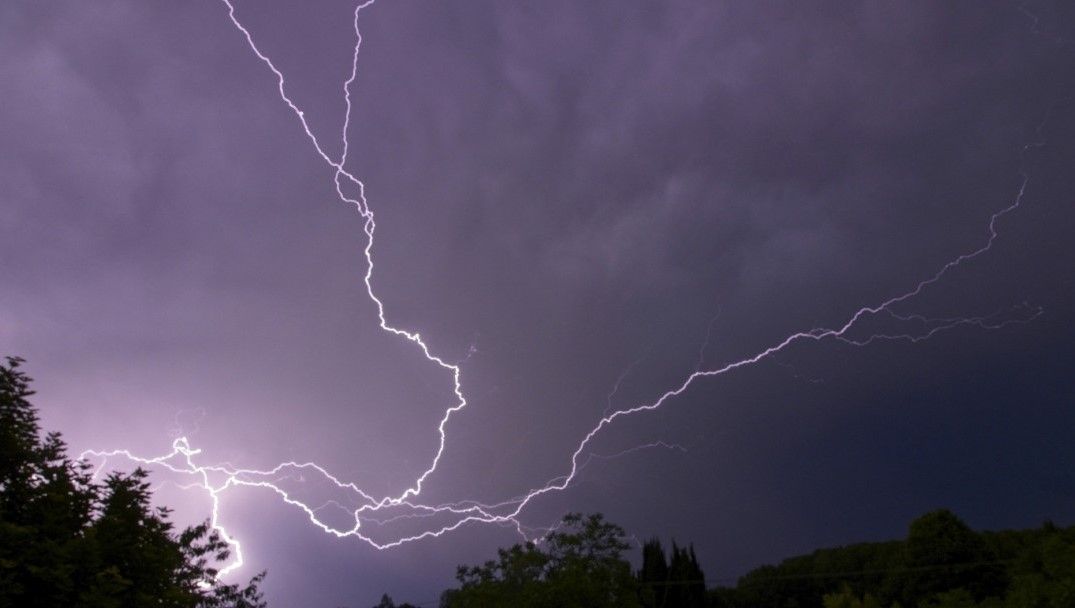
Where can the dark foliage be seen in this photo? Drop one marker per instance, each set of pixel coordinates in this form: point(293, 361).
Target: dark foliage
point(386, 602)
point(66, 540)
point(941, 564)
point(676, 583)
point(579, 566)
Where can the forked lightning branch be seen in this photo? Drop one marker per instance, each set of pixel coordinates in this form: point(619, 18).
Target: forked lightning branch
point(217, 480)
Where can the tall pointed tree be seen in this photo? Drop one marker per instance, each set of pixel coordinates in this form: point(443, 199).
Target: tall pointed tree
point(653, 576)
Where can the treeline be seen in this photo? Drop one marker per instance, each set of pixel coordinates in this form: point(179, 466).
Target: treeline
point(941, 564)
point(580, 565)
point(68, 540)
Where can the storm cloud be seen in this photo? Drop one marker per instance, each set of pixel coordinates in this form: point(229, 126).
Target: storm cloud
point(567, 193)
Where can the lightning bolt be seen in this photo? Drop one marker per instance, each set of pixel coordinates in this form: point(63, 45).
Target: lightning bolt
point(216, 479)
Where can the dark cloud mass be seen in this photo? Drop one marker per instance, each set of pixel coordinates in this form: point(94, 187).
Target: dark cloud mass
point(568, 191)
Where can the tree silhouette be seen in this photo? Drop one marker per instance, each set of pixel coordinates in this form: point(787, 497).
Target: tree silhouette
point(674, 583)
point(653, 576)
point(579, 566)
point(66, 540)
point(943, 553)
point(386, 602)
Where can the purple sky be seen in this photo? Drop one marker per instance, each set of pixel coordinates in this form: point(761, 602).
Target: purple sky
point(570, 192)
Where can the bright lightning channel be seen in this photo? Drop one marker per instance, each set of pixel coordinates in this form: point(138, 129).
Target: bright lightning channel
point(215, 480)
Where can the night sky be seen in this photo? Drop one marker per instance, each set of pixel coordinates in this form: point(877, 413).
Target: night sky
point(580, 203)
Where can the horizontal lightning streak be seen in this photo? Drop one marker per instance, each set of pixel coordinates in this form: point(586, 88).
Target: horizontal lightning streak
point(216, 479)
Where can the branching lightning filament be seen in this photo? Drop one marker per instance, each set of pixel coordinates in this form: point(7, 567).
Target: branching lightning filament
point(366, 513)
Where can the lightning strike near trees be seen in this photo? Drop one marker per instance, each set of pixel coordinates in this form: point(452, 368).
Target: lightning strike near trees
point(366, 510)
